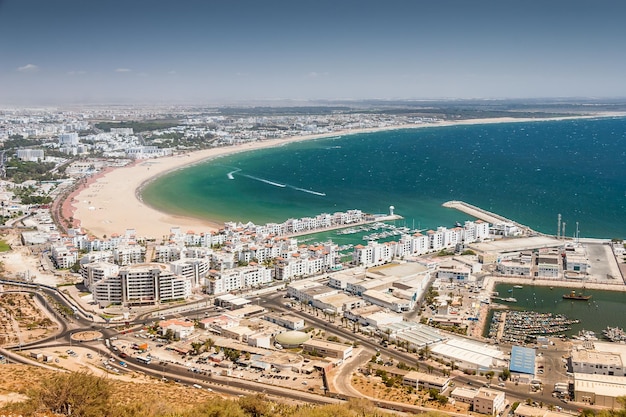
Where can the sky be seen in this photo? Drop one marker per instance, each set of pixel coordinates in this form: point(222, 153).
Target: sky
point(211, 52)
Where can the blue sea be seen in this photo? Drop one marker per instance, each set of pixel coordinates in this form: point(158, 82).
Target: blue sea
point(526, 171)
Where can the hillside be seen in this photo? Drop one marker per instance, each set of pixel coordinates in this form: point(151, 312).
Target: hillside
point(42, 392)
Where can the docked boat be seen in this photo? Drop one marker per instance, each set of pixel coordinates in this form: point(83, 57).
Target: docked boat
point(573, 296)
point(518, 286)
point(586, 335)
point(614, 334)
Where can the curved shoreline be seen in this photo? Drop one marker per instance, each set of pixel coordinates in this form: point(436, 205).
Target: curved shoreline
point(112, 203)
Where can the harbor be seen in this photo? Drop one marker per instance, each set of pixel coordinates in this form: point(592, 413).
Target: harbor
point(527, 326)
point(551, 309)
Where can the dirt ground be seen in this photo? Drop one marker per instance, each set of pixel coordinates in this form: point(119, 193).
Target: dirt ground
point(373, 387)
point(22, 320)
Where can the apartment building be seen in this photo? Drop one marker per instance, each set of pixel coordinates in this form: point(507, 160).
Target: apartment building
point(141, 285)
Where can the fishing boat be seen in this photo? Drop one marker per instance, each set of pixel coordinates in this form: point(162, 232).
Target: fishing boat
point(573, 296)
point(614, 334)
point(518, 286)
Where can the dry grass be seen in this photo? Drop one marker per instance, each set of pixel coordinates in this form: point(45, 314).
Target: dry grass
point(21, 379)
point(22, 320)
point(373, 387)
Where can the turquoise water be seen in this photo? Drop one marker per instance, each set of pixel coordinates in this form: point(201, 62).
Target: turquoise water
point(528, 172)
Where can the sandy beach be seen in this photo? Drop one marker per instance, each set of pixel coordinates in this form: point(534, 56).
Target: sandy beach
point(111, 203)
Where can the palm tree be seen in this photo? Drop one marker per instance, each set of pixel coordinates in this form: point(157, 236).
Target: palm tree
point(196, 347)
point(208, 344)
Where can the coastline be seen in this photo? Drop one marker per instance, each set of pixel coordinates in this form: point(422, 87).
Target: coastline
point(111, 202)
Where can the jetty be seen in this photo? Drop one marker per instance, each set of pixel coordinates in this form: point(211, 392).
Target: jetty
point(485, 215)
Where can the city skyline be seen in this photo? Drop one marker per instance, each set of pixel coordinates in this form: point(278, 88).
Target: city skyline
point(70, 51)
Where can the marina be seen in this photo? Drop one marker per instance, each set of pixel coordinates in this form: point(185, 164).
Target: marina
point(603, 309)
point(526, 326)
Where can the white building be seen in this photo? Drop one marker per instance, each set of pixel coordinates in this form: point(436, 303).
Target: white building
point(235, 279)
point(129, 254)
point(141, 285)
point(604, 359)
point(489, 402)
point(181, 329)
point(30, 155)
point(64, 257)
point(95, 272)
point(193, 269)
point(68, 139)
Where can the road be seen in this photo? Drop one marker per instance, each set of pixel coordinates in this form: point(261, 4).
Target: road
point(234, 386)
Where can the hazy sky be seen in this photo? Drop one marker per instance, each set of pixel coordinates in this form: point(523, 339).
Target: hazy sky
point(59, 51)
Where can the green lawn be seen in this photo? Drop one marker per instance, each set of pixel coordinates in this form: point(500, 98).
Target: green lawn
point(4, 246)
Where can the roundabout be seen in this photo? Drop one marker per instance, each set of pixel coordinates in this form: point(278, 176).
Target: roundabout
point(86, 336)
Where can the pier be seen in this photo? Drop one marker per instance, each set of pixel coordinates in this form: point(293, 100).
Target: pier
point(485, 215)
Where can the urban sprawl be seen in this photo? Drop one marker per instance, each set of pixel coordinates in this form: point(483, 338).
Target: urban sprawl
point(256, 305)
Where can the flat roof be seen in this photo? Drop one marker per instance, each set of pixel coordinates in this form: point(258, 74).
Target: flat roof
point(327, 345)
point(605, 385)
point(522, 360)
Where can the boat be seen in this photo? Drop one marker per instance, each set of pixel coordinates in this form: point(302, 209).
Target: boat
point(614, 334)
point(586, 335)
point(518, 286)
point(573, 296)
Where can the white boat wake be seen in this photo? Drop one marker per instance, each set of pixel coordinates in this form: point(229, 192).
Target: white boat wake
point(304, 190)
point(230, 174)
point(274, 183)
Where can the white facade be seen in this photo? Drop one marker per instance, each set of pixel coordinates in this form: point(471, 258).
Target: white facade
point(489, 402)
point(140, 285)
point(236, 279)
point(95, 272)
point(129, 254)
point(64, 257)
point(30, 155)
point(68, 139)
point(193, 269)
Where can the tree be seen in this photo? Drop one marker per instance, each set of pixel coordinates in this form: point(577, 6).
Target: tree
point(196, 347)
point(208, 344)
point(170, 335)
point(505, 374)
point(254, 405)
point(79, 394)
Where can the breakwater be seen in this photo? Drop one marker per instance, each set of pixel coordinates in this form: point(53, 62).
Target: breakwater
point(485, 215)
